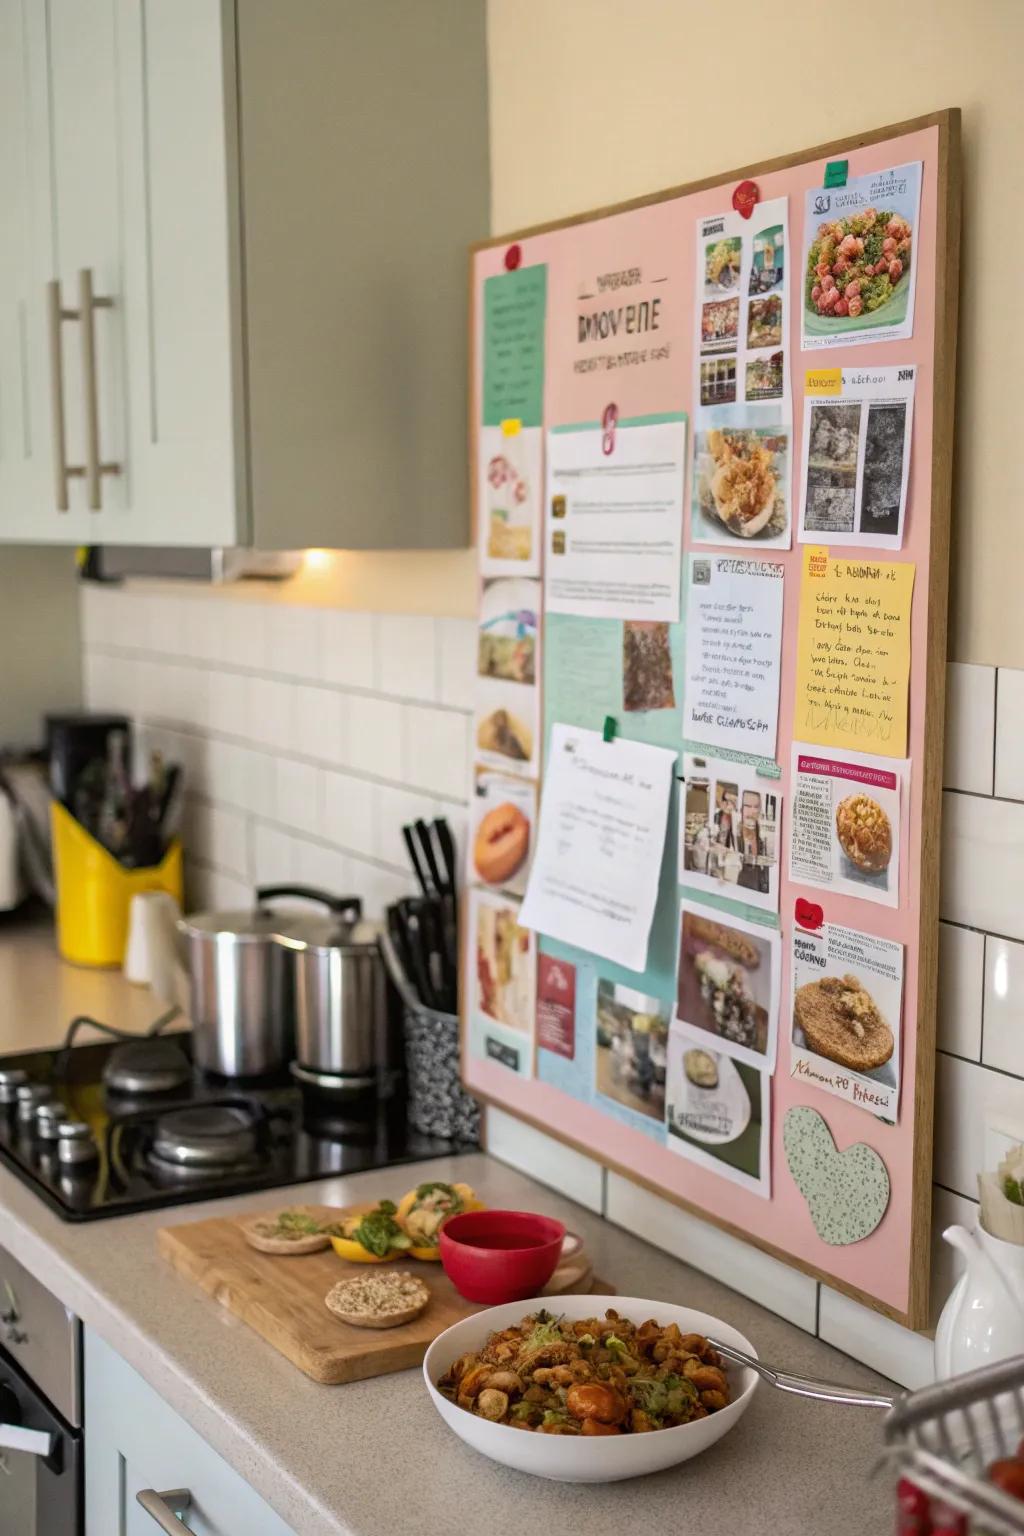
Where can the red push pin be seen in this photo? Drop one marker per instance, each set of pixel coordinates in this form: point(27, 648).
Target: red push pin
point(513, 256)
point(809, 914)
point(745, 198)
point(609, 421)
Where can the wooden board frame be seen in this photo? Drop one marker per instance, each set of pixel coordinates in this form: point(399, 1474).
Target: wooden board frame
point(928, 774)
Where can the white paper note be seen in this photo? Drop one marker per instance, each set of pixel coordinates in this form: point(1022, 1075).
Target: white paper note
point(614, 528)
point(594, 879)
point(733, 652)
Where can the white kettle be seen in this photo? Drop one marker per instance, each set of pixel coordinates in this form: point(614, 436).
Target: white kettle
point(983, 1319)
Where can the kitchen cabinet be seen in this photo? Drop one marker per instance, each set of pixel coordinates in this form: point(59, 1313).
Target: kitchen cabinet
point(273, 205)
point(134, 1441)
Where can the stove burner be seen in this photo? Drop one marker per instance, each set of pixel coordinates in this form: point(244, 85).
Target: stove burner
point(205, 1136)
point(146, 1066)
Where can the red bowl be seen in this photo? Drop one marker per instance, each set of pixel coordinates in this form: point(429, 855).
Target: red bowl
point(497, 1256)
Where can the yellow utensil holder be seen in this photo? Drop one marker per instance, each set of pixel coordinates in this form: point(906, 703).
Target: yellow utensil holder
point(94, 891)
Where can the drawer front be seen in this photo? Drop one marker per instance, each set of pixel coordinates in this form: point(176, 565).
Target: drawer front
point(134, 1441)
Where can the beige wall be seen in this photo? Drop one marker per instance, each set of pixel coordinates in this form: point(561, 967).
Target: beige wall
point(593, 101)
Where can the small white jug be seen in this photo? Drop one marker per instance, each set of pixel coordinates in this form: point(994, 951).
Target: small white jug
point(983, 1319)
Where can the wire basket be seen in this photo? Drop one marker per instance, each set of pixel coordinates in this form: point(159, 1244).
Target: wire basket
point(438, 1104)
point(943, 1437)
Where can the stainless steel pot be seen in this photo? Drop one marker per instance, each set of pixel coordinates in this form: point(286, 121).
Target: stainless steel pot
point(341, 1019)
point(241, 992)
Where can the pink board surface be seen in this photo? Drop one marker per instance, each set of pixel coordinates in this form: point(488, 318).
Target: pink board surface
point(659, 238)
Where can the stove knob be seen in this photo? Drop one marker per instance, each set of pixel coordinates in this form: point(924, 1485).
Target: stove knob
point(10, 1081)
point(49, 1115)
point(30, 1096)
point(75, 1143)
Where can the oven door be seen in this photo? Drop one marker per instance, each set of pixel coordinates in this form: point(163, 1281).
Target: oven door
point(40, 1462)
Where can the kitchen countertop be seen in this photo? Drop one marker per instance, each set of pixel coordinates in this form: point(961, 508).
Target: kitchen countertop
point(374, 1458)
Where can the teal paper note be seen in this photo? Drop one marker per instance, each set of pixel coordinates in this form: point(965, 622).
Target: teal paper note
point(515, 305)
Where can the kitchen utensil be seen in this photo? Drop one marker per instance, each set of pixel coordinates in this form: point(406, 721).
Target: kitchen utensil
point(74, 743)
point(583, 1458)
point(283, 1299)
point(943, 1437)
point(241, 990)
point(983, 1318)
point(499, 1256)
point(416, 859)
point(437, 1103)
point(341, 1015)
point(429, 856)
point(802, 1386)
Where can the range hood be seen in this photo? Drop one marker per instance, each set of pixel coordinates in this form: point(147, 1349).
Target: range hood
point(111, 562)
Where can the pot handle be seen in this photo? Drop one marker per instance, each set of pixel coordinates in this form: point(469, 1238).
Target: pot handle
point(350, 907)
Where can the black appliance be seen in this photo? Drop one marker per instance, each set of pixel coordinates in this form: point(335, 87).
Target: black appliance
point(111, 1128)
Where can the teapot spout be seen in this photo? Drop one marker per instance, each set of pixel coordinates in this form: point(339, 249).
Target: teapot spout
point(963, 1241)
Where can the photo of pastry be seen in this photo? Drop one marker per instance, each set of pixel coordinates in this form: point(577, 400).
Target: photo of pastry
point(846, 1014)
point(764, 321)
point(728, 981)
point(506, 963)
point(647, 666)
point(503, 812)
point(720, 325)
point(717, 1111)
point(506, 735)
point(632, 1048)
point(865, 833)
point(741, 484)
point(840, 1020)
point(722, 261)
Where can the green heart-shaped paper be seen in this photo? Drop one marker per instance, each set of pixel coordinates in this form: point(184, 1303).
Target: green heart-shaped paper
point(846, 1192)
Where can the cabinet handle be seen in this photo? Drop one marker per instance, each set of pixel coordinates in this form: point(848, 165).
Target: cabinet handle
point(62, 470)
point(35, 1442)
point(165, 1507)
point(88, 304)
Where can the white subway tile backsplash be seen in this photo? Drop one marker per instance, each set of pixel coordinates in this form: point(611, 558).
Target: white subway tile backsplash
point(877, 1341)
point(755, 1274)
point(961, 972)
point(211, 890)
point(293, 640)
point(242, 636)
point(406, 656)
point(545, 1159)
point(324, 867)
point(347, 648)
point(983, 864)
point(1004, 1005)
point(318, 721)
point(228, 704)
point(456, 656)
point(222, 834)
point(970, 727)
point(346, 810)
point(377, 887)
point(393, 809)
point(297, 795)
point(375, 736)
point(970, 1103)
point(1010, 734)
point(437, 751)
point(269, 707)
point(274, 855)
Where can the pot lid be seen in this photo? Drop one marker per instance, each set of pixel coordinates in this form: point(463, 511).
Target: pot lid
point(315, 930)
point(253, 923)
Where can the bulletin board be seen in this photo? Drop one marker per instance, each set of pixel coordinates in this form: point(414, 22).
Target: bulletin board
point(805, 450)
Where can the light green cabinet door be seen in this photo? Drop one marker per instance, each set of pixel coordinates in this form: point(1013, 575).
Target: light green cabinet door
point(134, 1441)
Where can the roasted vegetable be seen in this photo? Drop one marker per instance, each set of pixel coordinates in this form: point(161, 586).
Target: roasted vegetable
point(373, 1238)
point(424, 1209)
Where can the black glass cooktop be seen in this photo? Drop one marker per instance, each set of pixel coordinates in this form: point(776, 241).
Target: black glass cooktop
point(149, 1129)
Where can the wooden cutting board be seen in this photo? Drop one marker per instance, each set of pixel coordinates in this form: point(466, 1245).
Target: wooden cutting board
point(282, 1298)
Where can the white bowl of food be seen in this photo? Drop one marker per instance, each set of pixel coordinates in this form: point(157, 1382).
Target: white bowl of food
point(657, 1395)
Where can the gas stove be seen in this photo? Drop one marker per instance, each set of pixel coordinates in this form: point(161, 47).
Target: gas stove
point(108, 1129)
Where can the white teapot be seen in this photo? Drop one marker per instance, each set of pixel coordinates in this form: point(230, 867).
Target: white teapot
point(983, 1319)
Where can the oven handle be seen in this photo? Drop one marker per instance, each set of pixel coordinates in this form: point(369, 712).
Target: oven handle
point(165, 1508)
point(36, 1442)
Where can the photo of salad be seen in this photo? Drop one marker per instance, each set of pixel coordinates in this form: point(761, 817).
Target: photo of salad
point(857, 264)
point(764, 322)
point(722, 259)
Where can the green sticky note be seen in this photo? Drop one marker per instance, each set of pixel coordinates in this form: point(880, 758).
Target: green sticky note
point(515, 308)
point(609, 727)
point(836, 172)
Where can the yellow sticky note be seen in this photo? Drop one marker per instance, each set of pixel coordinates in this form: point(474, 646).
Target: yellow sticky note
point(823, 381)
point(853, 653)
point(511, 427)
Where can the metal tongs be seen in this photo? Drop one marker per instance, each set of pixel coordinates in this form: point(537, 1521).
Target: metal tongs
point(802, 1386)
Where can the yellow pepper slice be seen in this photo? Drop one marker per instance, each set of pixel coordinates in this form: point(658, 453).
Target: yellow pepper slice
point(348, 1248)
point(430, 1252)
